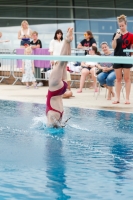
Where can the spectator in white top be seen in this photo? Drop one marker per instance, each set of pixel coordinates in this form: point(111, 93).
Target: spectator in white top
point(56, 44)
point(24, 34)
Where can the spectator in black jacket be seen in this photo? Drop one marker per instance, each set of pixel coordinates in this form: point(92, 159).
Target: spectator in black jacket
point(89, 41)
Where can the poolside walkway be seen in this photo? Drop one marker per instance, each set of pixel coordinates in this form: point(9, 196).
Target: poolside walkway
point(85, 99)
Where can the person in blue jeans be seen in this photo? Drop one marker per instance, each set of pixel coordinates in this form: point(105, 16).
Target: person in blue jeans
point(107, 76)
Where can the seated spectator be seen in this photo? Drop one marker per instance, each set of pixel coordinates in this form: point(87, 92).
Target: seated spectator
point(24, 34)
point(67, 94)
point(72, 67)
point(107, 76)
point(35, 43)
point(1, 41)
point(89, 68)
point(89, 41)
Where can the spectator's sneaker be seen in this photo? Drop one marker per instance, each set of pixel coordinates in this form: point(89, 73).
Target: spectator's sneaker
point(40, 84)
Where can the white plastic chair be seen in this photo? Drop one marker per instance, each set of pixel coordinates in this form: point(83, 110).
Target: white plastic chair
point(100, 88)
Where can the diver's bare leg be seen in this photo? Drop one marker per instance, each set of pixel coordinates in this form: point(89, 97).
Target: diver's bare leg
point(59, 71)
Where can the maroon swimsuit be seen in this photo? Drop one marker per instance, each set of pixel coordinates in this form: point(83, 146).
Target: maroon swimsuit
point(51, 94)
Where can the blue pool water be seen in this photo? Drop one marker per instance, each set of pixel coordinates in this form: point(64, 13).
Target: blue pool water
point(91, 158)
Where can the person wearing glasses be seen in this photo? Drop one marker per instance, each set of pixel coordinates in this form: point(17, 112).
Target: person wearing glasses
point(107, 76)
point(122, 39)
point(89, 68)
point(88, 42)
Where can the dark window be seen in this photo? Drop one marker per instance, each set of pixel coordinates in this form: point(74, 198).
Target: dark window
point(64, 2)
point(13, 2)
point(42, 12)
point(79, 38)
point(82, 25)
point(81, 13)
point(99, 26)
point(130, 26)
point(64, 13)
point(128, 13)
point(51, 23)
point(12, 11)
point(83, 3)
point(104, 38)
point(102, 21)
point(10, 22)
point(102, 13)
point(64, 25)
point(124, 4)
point(101, 3)
point(17, 22)
point(42, 2)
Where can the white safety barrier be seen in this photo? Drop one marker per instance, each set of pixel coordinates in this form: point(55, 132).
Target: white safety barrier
point(40, 73)
point(5, 65)
point(75, 67)
point(9, 61)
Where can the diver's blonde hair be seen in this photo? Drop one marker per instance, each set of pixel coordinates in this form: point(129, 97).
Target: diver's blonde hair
point(27, 49)
point(24, 22)
point(122, 18)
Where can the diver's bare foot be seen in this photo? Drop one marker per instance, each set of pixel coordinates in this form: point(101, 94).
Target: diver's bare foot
point(127, 102)
point(113, 94)
point(69, 36)
point(79, 91)
point(109, 97)
point(115, 102)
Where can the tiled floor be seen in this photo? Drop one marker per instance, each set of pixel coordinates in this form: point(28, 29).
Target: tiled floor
point(86, 99)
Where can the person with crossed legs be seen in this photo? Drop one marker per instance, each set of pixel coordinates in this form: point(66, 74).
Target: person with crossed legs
point(89, 68)
point(107, 76)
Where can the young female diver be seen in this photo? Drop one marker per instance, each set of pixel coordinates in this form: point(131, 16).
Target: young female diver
point(58, 86)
